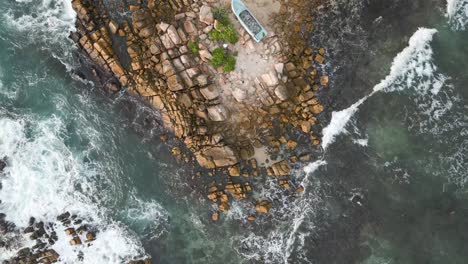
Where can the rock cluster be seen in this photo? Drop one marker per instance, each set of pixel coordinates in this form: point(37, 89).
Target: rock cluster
point(162, 52)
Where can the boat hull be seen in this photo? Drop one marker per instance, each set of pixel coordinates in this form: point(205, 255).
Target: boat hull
point(248, 21)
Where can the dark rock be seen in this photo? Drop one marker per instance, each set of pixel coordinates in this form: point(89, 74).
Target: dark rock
point(2, 164)
point(28, 229)
point(63, 216)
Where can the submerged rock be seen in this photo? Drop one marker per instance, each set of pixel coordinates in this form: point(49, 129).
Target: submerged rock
point(263, 207)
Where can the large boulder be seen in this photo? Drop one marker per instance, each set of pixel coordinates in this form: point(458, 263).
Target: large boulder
point(218, 113)
point(206, 15)
point(216, 156)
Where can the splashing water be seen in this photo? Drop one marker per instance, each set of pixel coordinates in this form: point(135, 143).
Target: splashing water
point(408, 68)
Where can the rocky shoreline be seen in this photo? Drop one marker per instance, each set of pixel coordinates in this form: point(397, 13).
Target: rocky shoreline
point(43, 235)
point(257, 119)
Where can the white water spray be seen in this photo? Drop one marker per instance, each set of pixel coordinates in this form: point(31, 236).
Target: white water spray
point(408, 64)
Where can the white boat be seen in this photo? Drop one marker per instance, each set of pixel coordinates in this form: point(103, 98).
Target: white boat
point(248, 21)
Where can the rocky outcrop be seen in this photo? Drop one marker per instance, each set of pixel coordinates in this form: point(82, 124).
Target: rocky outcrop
point(162, 53)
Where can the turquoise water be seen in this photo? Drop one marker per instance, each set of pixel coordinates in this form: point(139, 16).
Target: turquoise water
point(390, 190)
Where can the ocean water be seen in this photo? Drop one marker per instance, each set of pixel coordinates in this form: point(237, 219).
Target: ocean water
point(389, 186)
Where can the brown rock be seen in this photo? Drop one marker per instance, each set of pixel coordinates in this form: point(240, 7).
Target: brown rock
point(234, 171)
point(205, 55)
point(263, 207)
point(218, 113)
point(215, 216)
point(172, 33)
point(216, 156)
point(75, 241)
point(292, 144)
point(210, 92)
point(324, 80)
point(174, 83)
point(223, 207)
point(319, 58)
point(300, 189)
point(206, 15)
point(90, 236)
point(190, 28)
point(251, 218)
point(113, 26)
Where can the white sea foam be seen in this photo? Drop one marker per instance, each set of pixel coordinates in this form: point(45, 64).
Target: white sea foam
point(293, 221)
point(408, 69)
point(42, 180)
point(362, 141)
point(457, 13)
point(48, 27)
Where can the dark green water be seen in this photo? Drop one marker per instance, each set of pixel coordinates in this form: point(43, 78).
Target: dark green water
point(70, 147)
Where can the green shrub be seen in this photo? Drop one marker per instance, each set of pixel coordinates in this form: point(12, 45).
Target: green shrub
point(193, 47)
point(221, 58)
point(225, 31)
point(221, 15)
point(229, 64)
point(218, 56)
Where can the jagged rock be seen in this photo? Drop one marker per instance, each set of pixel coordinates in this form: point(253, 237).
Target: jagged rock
point(174, 83)
point(279, 67)
point(206, 15)
point(324, 80)
point(90, 236)
point(281, 168)
point(162, 26)
point(223, 207)
point(75, 241)
point(319, 58)
point(270, 79)
point(113, 26)
point(218, 113)
point(209, 93)
point(263, 207)
point(190, 28)
point(217, 156)
point(70, 231)
point(166, 41)
point(282, 92)
point(317, 109)
point(2, 165)
point(292, 144)
point(63, 216)
point(234, 171)
point(300, 189)
point(205, 55)
point(215, 216)
point(239, 94)
point(202, 80)
point(172, 33)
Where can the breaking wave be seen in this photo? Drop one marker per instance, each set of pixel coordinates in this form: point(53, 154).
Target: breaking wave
point(457, 13)
point(411, 68)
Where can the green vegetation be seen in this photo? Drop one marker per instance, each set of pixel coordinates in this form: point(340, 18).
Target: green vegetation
point(224, 30)
point(193, 47)
point(221, 58)
point(221, 15)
